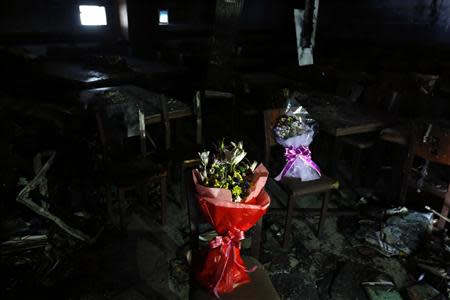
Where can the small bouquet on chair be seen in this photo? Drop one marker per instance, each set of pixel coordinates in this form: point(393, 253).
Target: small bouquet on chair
point(295, 132)
point(230, 193)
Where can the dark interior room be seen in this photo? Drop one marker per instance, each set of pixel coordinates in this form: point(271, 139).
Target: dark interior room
point(225, 149)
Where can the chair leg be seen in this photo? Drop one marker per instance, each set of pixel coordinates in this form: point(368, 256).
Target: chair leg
point(287, 226)
point(183, 190)
point(374, 163)
point(144, 192)
point(445, 209)
point(407, 166)
point(122, 209)
point(109, 204)
point(323, 213)
point(163, 199)
point(356, 166)
point(334, 157)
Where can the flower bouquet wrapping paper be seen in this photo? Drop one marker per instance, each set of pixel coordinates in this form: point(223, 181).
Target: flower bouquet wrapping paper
point(231, 214)
point(295, 132)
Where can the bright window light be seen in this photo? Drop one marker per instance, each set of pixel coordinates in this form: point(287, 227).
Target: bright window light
point(163, 17)
point(92, 15)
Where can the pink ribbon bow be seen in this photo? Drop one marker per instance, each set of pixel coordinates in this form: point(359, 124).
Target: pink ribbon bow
point(292, 154)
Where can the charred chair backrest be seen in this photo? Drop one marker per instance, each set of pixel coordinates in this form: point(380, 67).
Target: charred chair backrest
point(114, 128)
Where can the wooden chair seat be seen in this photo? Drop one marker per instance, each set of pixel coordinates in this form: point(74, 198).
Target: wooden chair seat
point(212, 94)
point(360, 142)
point(296, 188)
point(260, 287)
point(394, 135)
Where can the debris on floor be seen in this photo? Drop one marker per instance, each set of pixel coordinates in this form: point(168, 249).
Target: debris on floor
point(399, 235)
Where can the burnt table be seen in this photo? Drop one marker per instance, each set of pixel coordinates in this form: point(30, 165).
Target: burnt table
point(341, 118)
point(82, 75)
point(157, 75)
point(127, 97)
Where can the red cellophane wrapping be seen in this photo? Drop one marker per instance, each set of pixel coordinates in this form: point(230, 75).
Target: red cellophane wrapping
point(223, 268)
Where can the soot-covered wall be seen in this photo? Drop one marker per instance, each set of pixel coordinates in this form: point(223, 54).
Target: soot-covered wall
point(345, 26)
point(401, 35)
point(386, 21)
point(357, 28)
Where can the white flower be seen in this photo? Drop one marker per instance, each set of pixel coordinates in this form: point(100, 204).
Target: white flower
point(203, 175)
point(237, 155)
point(204, 158)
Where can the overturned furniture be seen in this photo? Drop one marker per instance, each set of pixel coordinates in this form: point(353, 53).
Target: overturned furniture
point(40, 182)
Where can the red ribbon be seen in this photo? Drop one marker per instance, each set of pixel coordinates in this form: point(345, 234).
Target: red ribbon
point(227, 242)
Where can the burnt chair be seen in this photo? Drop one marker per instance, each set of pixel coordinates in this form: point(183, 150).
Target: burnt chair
point(387, 102)
point(126, 167)
point(203, 96)
point(294, 187)
point(432, 144)
point(391, 97)
point(260, 287)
